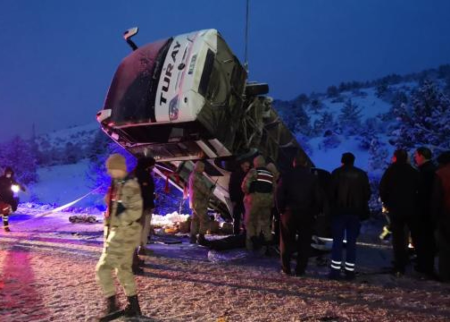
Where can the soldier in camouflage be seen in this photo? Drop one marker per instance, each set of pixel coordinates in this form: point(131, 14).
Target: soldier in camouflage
point(199, 194)
point(258, 187)
point(122, 236)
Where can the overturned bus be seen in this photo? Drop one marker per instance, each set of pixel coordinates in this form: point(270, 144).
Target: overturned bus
point(187, 98)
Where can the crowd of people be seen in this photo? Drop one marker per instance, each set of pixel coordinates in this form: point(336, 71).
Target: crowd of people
point(295, 199)
point(418, 206)
point(417, 201)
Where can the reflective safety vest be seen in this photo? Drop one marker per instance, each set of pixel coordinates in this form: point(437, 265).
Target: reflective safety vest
point(263, 182)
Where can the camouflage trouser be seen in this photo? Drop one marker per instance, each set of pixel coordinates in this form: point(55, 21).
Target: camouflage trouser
point(199, 221)
point(258, 208)
point(120, 244)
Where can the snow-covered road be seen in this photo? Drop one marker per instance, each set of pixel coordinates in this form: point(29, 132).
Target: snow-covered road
point(47, 274)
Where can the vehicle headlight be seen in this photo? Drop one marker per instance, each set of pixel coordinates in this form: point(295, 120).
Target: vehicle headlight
point(173, 109)
point(15, 188)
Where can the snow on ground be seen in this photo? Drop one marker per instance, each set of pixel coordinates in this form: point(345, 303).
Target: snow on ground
point(61, 184)
point(366, 99)
point(47, 274)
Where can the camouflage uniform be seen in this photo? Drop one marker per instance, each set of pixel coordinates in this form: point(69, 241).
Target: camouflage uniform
point(199, 196)
point(122, 236)
point(258, 205)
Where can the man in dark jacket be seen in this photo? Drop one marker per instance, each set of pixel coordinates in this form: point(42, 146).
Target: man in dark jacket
point(143, 173)
point(398, 192)
point(299, 202)
point(425, 245)
point(441, 214)
point(350, 193)
point(7, 200)
point(237, 195)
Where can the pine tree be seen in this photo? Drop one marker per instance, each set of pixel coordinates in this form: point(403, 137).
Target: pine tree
point(18, 155)
point(368, 133)
point(382, 89)
point(332, 91)
point(378, 155)
point(72, 153)
point(302, 100)
point(426, 121)
point(344, 87)
point(350, 118)
point(330, 141)
point(315, 106)
point(324, 123)
point(302, 119)
point(99, 146)
point(97, 172)
point(296, 119)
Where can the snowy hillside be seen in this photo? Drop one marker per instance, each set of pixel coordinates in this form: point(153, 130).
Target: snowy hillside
point(67, 146)
point(61, 184)
point(326, 153)
point(79, 136)
point(368, 119)
point(372, 119)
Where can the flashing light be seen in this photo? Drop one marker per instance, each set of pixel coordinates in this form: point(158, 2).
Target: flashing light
point(15, 188)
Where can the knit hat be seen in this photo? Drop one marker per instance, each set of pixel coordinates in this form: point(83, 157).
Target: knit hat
point(116, 162)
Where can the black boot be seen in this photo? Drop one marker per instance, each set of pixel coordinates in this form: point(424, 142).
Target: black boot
point(133, 309)
point(112, 311)
point(193, 239)
point(137, 270)
point(6, 224)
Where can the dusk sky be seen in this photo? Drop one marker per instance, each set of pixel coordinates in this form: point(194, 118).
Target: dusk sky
point(57, 57)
